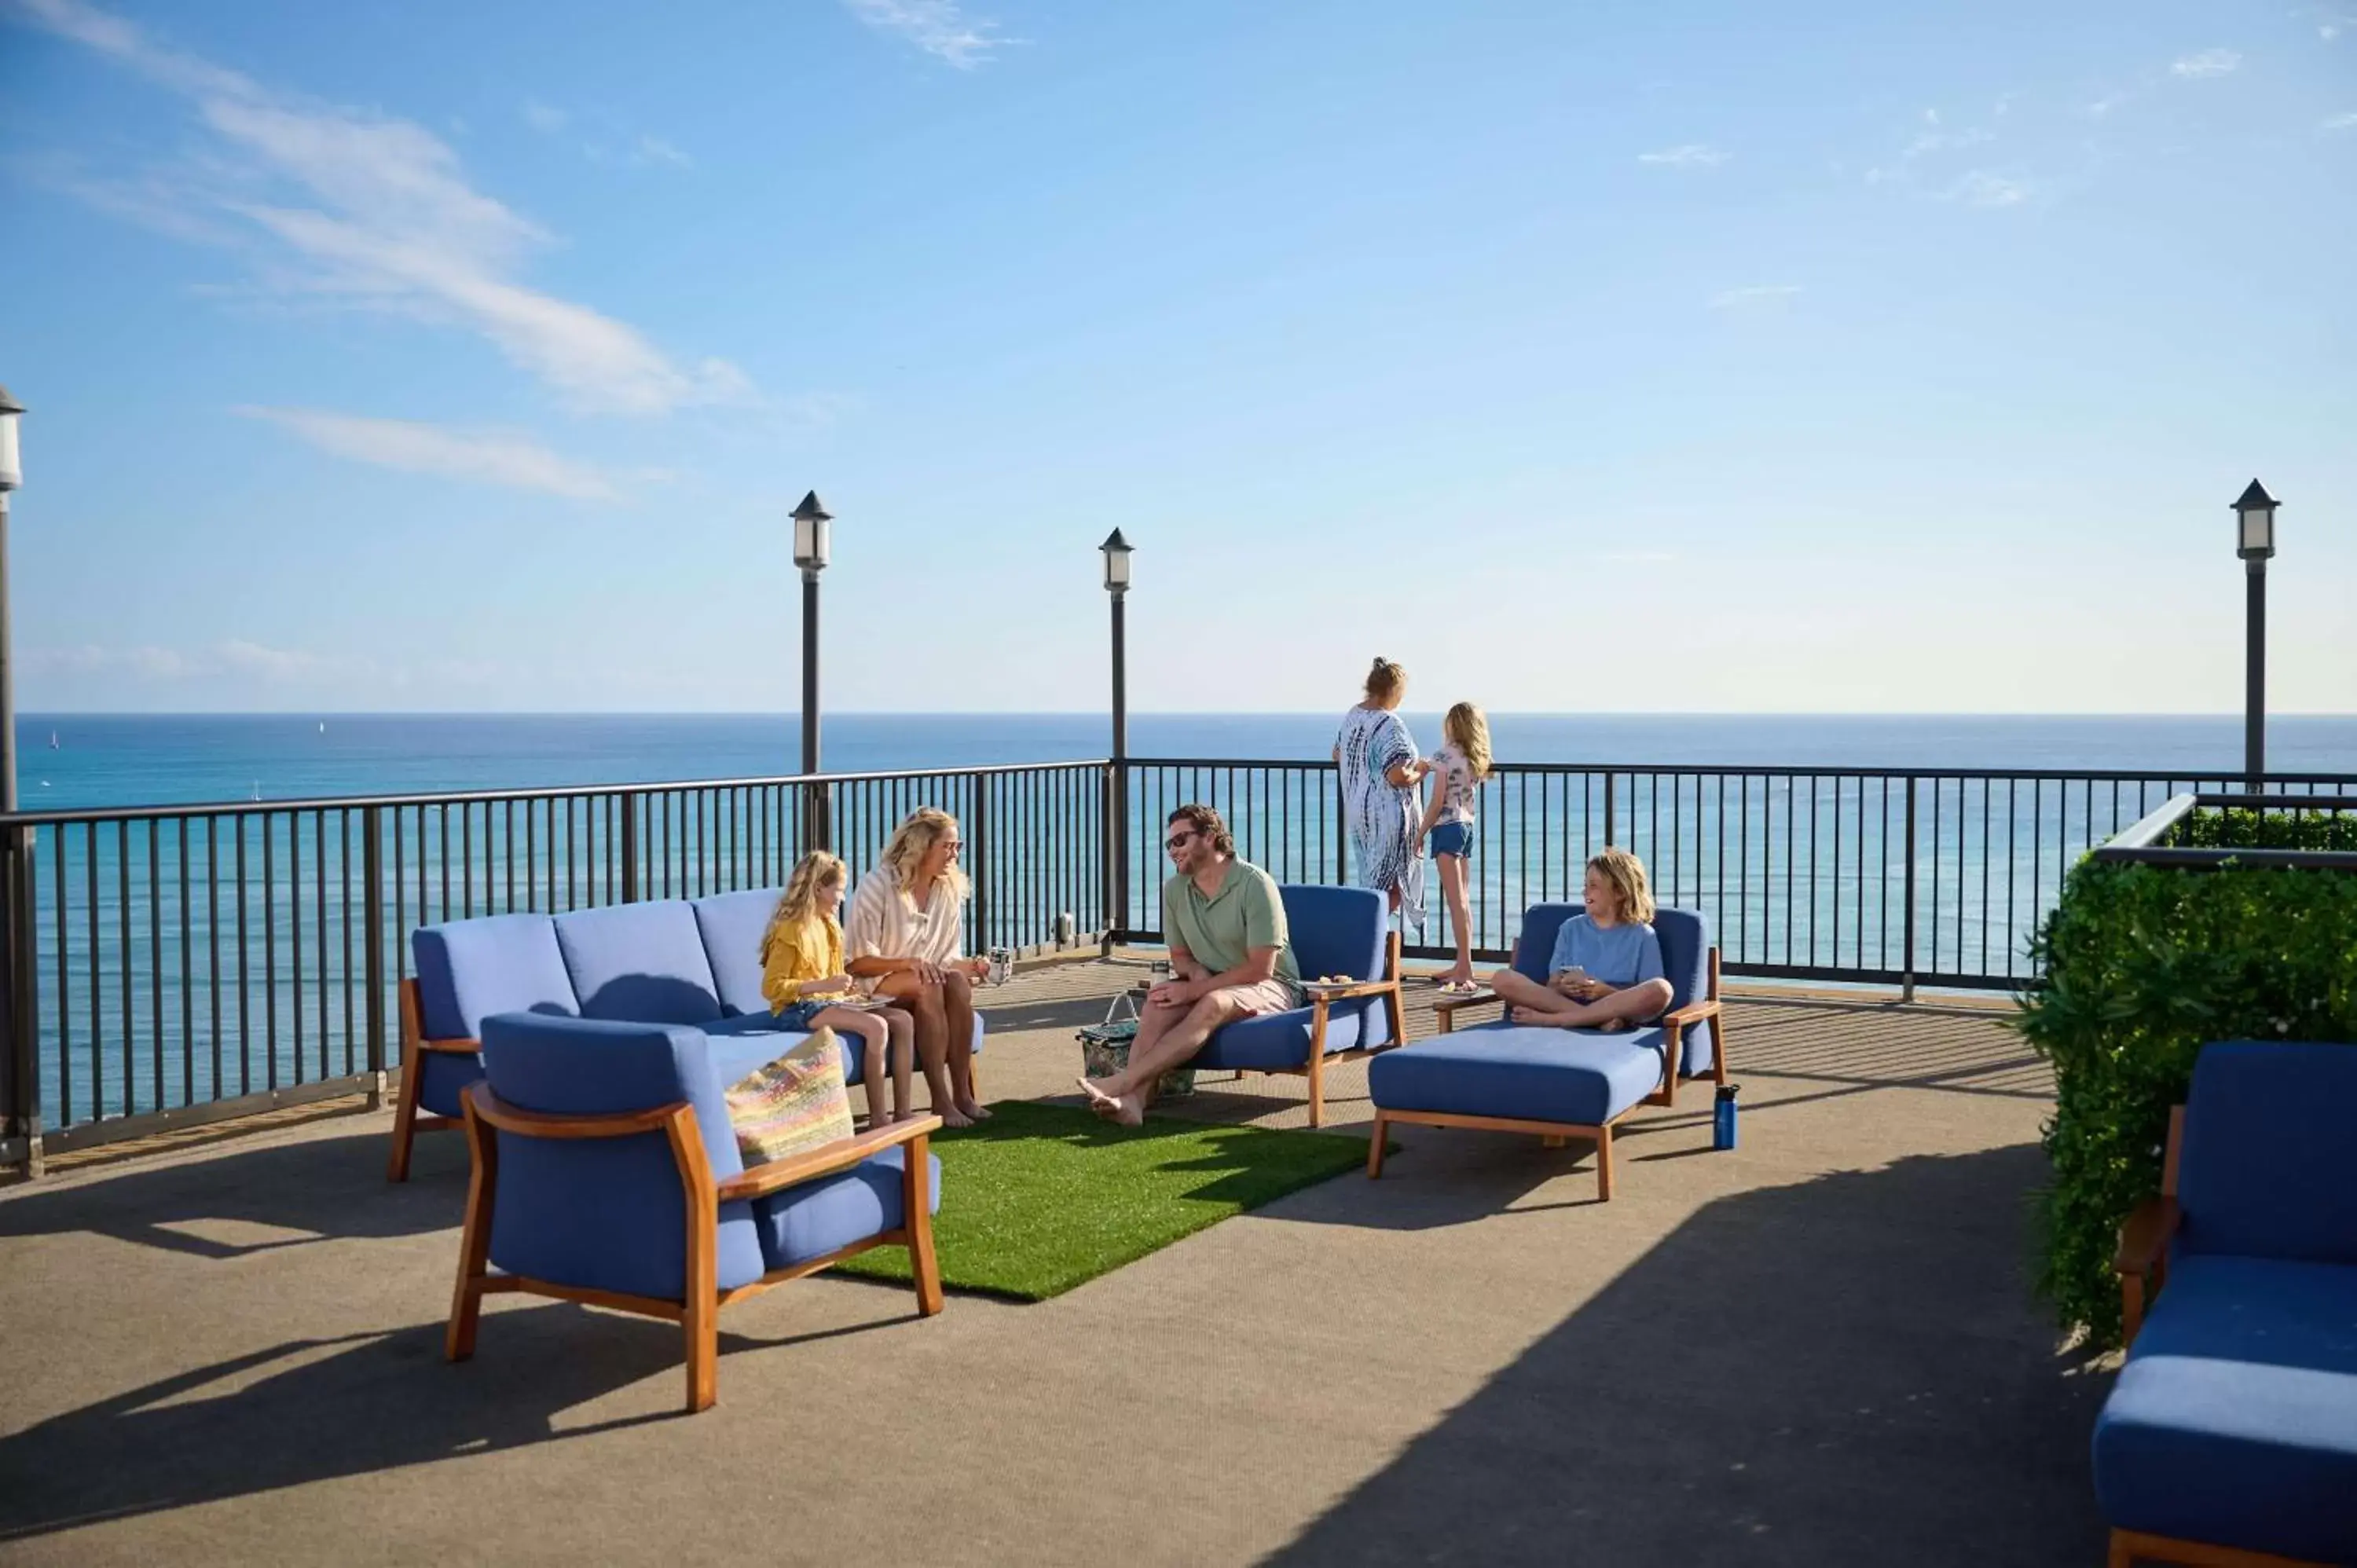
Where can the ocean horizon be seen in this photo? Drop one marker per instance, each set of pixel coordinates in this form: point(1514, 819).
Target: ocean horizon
point(75, 761)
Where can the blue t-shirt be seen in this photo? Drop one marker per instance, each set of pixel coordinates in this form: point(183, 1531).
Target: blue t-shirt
point(1620, 955)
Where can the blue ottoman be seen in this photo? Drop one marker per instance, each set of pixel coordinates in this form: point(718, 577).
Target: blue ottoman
point(1510, 1079)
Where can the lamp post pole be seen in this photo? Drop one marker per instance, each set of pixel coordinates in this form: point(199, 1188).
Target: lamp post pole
point(1117, 551)
point(811, 545)
point(20, 1079)
point(2254, 542)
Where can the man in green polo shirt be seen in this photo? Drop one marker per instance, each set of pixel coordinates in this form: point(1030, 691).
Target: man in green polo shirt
point(1230, 958)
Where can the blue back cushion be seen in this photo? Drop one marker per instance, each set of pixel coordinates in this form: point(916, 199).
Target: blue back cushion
point(731, 924)
point(643, 963)
point(1541, 924)
point(469, 970)
point(607, 1213)
point(2269, 1164)
point(1335, 931)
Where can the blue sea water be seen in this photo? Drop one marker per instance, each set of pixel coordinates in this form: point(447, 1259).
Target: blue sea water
point(170, 760)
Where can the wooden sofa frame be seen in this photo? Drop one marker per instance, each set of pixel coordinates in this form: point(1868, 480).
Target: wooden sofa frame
point(1553, 1135)
point(698, 1314)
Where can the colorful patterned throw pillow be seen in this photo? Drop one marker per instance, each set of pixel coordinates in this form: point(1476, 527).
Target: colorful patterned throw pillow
point(794, 1103)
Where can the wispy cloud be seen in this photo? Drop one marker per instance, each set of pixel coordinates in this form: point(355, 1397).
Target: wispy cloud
point(1694, 155)
point(357, 210)
point(1753, 293)
point(655, 150)
point(2104, 106)
point(940, 28)
point(1981, 189)
point(545, 118)
point(2208, 63)
point(488, 457)
point(2340, 123)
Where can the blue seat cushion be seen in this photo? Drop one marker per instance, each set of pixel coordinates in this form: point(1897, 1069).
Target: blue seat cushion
point(469, 970)
point(643, 963)
point(2234, 1421)
point(1529, 1074)
point(799, 1223)
point(1279, 1040)
point(730, 925)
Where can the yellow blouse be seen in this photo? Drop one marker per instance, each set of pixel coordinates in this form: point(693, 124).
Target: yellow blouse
point(800, 955)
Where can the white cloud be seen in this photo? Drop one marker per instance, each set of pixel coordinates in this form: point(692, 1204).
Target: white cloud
point(1753, 293)
point(545, 118)
point(2208, 63)
point(1694, 155)
point(655, 150)
point(1931, 142)
point(2104, 106)
point(1982, 189)
point(354, 209)
point(488, 457)
point(940, 28)
point(2340, 122)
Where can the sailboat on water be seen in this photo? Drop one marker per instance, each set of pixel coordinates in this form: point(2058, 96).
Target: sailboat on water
point(53, 740)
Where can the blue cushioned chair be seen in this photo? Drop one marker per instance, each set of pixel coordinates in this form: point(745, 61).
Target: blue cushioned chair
point(2230, 1436)
point(1558, 1083)
point(658, 961)
point(606, 1172)
point(1333, 930)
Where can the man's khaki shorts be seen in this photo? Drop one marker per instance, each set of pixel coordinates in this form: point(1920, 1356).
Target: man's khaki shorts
point(1271, 995)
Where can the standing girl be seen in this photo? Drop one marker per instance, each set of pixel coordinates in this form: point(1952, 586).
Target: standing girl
point(1380, 773)
point(804, 977)
point(1462, 761)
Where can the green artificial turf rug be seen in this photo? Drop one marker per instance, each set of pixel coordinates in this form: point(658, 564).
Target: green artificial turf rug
point(1042, 1198)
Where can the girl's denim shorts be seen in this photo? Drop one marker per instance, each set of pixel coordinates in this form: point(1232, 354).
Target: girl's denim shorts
point(1453, 838)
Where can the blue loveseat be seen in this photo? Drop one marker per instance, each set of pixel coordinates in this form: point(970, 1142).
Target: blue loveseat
point(1558, 1083)
point(2231, 1435)
point(670, 961)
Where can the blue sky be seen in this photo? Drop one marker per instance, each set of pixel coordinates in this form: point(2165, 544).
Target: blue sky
point(1684, 356)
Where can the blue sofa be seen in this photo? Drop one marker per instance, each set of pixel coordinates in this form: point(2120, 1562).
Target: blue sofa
point(2231, 1435)
point(1333, 930)
point(668, 962)
point(1558, 1083)
point(606, 1172)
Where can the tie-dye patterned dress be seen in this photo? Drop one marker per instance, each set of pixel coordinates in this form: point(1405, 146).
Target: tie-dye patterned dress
point(1383, 816)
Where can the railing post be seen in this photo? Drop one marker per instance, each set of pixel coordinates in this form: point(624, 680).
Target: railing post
point(372, 889)
point(1113, 858)
point(977, 836)
point(629, 847)
point(1907, 970)
point(1341, 837)
point(20, 1072)
point(1610, 808)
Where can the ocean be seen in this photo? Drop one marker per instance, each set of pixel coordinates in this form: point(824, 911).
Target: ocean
point(112, 759)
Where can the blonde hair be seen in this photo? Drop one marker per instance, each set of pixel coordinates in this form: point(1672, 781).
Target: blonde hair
point(799, 904)
point(1466, 729)
point(914, 839)
point(1386, 682)
point(1626, 873)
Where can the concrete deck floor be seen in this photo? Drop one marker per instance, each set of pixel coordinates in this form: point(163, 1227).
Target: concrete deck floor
point(1818, 1350)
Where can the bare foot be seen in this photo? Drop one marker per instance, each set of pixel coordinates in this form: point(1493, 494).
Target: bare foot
point(973, 1110)
point(953, 1117)
point(1097, 1096)
point(1130, 1111)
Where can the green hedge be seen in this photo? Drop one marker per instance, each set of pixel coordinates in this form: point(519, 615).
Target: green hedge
point(2267, 830)
point(2142, 966)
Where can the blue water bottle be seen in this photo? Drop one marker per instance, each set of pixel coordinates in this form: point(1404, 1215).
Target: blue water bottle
point(1722, 1117)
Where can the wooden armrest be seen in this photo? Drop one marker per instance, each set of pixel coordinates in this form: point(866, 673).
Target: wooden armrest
point(1692, 1012)
point(1322, 995)
point(1448, 1005)
point(454, 1047)
point(823, 1160)
point(2144, 1237)
point(508, 1118)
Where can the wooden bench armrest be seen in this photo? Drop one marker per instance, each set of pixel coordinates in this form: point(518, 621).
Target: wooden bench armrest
point(499, 1113)
point(1322, 995)
point(824, 1160)
point(1692, 1012)
point(454, 1047)
point(2144, 1236)
point(1446, 1008)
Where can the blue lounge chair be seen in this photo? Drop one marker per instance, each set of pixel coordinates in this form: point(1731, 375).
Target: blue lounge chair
point(659, 962)
point(1334, 931)
point(606, 1172)
point(1558, 1083)
point(2230, 1436)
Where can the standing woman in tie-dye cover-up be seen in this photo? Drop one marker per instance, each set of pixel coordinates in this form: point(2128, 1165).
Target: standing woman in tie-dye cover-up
point(1381, 771)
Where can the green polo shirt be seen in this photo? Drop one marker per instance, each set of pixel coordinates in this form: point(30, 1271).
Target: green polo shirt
point(1222, 930)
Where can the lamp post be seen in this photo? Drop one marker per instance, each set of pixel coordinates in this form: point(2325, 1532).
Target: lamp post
point(1116, 581)
point(21, 1082)
point(812, 538)
point(12, 474)
point(2255, 540)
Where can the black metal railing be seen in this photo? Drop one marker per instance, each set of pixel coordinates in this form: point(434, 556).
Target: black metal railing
point(168, 965)
point(1902, 876)
point(173, 965)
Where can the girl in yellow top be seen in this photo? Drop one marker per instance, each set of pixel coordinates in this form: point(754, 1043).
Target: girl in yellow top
point(803, 976)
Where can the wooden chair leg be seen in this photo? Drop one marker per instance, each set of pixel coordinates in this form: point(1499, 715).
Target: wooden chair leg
point(475, 1241)
point(1375, 1147)
point(1604, 1163)
point(917, 1219)
point(699, 1315)
point(2121, 1555)
point(1318, 1089)
point(404, 1112)
point(1552, 1141)
point(699, 1321)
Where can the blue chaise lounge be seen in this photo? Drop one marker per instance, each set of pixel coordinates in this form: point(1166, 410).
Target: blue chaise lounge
point(1558, 1083)
point(664, 961)
point(2230, 1436)
point(606, 1172)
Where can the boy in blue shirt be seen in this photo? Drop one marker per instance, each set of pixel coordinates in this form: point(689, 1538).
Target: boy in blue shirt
point(1606, 970)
